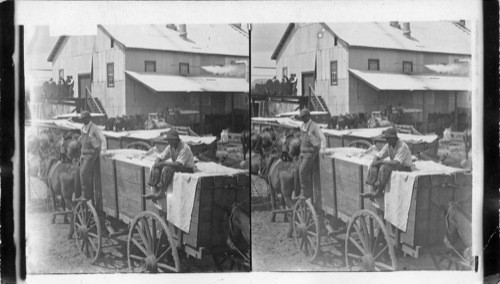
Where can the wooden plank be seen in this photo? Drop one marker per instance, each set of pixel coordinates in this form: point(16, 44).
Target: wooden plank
point(130, 183)
point(113, 143)
point(108, 186)
point(326, 166)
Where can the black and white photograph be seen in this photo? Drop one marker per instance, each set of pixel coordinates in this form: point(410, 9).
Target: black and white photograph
point(362, 146)
point(135, 138)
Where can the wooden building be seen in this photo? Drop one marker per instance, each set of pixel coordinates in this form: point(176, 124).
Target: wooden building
point(144, 69)
point(363, 67)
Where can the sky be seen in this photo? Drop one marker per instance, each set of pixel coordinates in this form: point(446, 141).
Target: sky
point(265, 38)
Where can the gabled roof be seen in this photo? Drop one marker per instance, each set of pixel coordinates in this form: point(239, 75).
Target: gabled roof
point(205, 39)
point(175, 83)
point(435, 37)
point(201, 39)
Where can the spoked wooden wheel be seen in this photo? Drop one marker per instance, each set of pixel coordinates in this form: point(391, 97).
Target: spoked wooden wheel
point(368, 244)
point(139, 146)
point(362, 144)
point(150, 245)
point(306, 228)
point(88, 230)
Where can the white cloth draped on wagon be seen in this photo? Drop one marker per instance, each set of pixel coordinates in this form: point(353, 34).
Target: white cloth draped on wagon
point(182, 191)
point(396, 202)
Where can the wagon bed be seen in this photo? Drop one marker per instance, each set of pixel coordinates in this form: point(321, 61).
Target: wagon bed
point(342, 176)
point(124, 183)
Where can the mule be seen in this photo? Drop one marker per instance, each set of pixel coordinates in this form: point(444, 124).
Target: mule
point(237, 228)
point(63, 179)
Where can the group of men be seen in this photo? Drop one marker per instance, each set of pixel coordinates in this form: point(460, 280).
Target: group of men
point(312, 140)
point(313, 143)
point(94, 144)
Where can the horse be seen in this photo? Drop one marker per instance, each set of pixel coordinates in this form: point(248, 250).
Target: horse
point(238, 235)
point(64, 179)
point(457, 237)
point(282, 175)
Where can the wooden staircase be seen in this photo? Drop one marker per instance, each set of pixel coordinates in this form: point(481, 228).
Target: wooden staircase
point(94, 105)
point(318, 104)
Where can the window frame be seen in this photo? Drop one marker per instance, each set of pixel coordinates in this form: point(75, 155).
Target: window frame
point(180, 68)
point(374, 60)
point(284, 72)
point(411, 66)
point(61, 76)
point(332, 82)
point(112, 43)
point(110, 83)
point(146, 62)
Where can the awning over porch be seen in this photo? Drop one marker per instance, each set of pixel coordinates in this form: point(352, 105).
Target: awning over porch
point(171, 83)
point(403, 82)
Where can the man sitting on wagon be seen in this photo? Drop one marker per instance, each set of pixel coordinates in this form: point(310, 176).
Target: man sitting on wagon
point(163, 172)
point(380, 169)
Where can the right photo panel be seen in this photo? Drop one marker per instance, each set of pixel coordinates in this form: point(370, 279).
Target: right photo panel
point(361, 146)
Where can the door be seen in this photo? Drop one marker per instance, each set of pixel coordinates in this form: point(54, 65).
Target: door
point(83, 83)
point(307, 79)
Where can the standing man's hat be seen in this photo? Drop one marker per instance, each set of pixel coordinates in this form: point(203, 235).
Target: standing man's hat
point(391, 133)
point(173, 135)
point(304, 112)
point(84, 114)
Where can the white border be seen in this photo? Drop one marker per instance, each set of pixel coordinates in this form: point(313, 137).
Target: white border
point(73, 16)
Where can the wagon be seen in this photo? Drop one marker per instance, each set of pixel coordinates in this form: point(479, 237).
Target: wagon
point(371, 237)
point(156, 236)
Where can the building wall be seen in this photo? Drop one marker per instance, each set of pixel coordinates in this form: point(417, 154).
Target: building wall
point(112, 98)
point(75, 58)
point(392, 60)
point(168, 62)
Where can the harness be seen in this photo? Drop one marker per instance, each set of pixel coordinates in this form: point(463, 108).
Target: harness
point(230, 241)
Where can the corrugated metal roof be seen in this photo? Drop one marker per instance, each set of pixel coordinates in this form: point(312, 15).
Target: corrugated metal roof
point(207, 39)
point(398, 82)
point(440, 37)
point(171, 83)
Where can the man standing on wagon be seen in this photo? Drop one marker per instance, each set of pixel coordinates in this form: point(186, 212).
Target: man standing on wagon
point(93, 143)
point(312, 142)
point(380, 169)
point(162, 172)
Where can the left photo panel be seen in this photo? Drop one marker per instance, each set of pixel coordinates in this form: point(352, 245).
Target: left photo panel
point(135, 146)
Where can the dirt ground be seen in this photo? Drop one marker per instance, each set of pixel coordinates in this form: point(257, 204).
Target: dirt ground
point(48, 251)
point(272, 250)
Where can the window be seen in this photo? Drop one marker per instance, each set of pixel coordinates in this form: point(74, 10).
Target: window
point(184, 68)
point(333, 73)
point(407, 66)
point(61, 73)
point(335, 41)
point(285, 71)
point(111, 74)
point(112, 43)
point(149, 66)
point(373, 64)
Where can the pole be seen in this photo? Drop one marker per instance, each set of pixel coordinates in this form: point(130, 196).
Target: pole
point(456, 112)
point(424, 114)
point(232, 112)
point(202, 116)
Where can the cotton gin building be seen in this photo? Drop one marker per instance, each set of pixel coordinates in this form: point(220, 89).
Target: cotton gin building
point(363, 67)
point(145, 69)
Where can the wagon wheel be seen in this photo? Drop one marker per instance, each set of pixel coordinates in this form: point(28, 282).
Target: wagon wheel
point(150, 245)
point(139, 145)
point(88, 230)
point(368, 243)
point(362, 144)
point(306, 228)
